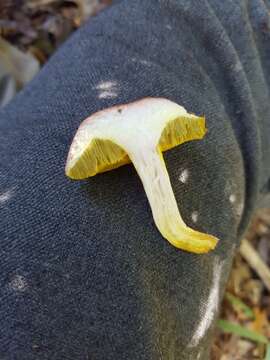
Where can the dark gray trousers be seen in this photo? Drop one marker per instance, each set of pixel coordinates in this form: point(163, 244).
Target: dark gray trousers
point(84, 273)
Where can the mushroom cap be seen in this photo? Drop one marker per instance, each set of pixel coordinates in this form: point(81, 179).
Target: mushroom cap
point(105, 139)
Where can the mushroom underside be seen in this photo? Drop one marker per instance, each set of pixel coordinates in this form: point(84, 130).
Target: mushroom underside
point(144, 150)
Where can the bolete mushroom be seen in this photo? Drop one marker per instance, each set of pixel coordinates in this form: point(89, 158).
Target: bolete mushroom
point(138, 132)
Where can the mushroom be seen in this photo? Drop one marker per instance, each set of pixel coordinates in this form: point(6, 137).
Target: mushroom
point(138, 132)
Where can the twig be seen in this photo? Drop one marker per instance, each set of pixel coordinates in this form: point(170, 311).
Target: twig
point(255, 261)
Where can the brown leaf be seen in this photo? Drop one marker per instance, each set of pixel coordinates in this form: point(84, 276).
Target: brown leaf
point(261, 323)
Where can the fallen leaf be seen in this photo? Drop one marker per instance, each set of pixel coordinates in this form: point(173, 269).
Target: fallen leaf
point(22, 67)
point(261, 323)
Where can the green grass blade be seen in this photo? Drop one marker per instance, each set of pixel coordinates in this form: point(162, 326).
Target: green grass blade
point(239, 330)
point(267, 356)
point(238, 304)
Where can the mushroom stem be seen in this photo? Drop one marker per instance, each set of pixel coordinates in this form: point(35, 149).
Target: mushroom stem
point(151, 168)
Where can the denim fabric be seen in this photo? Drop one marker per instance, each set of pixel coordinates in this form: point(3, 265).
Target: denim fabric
point(84, 273)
